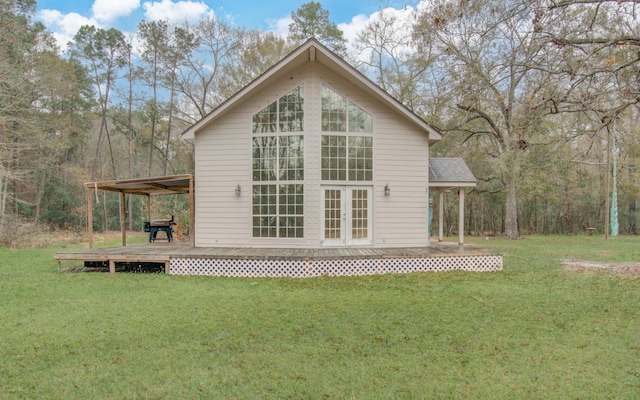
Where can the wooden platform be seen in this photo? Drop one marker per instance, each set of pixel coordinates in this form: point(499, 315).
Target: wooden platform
point(180, 258)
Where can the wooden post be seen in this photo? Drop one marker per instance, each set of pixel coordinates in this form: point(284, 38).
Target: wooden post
point(123, 218)
point(112, 267)
point(90, 216)
point(440, 216)
point(149, 207)
point(461, 217)
point(192, 208)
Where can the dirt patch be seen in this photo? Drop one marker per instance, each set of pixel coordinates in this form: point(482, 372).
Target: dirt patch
point(630, 270)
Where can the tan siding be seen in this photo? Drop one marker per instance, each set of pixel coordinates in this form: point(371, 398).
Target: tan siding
point(223, 160)
point(401, 162)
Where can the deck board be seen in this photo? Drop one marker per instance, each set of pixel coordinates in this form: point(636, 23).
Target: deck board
point(162, 252)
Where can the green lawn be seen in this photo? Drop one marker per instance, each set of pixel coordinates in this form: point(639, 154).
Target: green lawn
point(532, 331)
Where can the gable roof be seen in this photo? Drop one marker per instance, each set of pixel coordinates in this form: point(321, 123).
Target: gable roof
point(314, 51)
point(450, 172)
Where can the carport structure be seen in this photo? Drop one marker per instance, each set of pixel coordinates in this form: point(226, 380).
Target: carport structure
point(149, 187)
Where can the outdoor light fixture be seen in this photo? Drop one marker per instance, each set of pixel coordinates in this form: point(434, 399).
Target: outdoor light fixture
point(387, 190)
point(238, 190)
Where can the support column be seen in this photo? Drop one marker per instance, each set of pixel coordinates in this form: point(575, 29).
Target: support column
point(461, 218)
point(90, 216)
point(149, 208)
point(123, 218)
point(192, 208)
point(440, 216)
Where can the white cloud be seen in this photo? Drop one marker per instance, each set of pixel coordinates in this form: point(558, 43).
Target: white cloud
point(403, 21)
point(175, 11)
point(64, 26)
point(404, 17)
point(109, 10)
point(350, 30)
point(280, 26)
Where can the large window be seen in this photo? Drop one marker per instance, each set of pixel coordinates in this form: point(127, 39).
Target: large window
point(347, 154)
point(278, 168)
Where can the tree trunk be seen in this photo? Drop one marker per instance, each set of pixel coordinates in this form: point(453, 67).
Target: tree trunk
point(633, 226)
point(3, 199)
point(511, 212)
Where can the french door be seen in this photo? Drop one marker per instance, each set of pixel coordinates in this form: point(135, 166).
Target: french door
point(346, 215)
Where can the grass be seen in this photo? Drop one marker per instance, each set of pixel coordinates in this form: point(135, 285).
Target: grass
point(533, 331)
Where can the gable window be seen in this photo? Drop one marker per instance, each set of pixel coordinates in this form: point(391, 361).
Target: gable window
point(347, 153)
point(278, 167)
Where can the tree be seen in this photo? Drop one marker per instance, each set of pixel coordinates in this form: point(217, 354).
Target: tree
point(487, 49)
point(387, 54)
point(598, 42)
point(259, 51)
point(43, 113)
point(312, 21)
point(208, 46)
point(103, 52)
point(179, 47)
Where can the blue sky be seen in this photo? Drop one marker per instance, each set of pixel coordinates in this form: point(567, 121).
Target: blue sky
point(64, 17)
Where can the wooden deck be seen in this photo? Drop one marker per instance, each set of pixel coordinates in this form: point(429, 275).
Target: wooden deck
point(181, 258)
point(161, 252)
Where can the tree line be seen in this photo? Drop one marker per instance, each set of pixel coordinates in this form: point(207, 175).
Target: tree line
point(540, 97)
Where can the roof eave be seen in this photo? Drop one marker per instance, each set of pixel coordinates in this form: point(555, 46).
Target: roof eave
point(310, 51)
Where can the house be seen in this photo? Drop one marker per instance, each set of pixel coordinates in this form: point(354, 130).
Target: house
point(310, 170)
point(311, 154)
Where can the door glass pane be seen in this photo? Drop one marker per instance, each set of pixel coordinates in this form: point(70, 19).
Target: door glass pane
point(359, 214)
point(332, 214)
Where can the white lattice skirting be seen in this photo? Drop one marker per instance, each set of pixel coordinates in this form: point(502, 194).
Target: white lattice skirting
point(345, 267)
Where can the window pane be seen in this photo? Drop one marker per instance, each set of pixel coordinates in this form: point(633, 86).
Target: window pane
point(291, 160)
point(265, 120)
point(264, 158)
point(292, 110)
point(264, 209)
point(359, 120)
point(360, 158)
point(334, 111)
point(291, 220)
point(334, 152)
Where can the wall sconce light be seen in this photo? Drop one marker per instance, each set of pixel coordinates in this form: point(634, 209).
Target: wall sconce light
point(387, 190)
point(238, 190)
